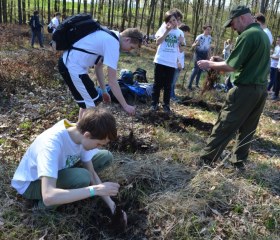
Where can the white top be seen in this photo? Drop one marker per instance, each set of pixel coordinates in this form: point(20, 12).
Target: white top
point(204, 42)
point(167, 51)
point(276, 53)
point(51, 151)
point(54, 23)
point(268, 33)
point(100, 43)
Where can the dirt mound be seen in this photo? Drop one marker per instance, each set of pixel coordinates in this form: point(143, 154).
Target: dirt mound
point(133, 143)
point(173, 122)
point(187, 101)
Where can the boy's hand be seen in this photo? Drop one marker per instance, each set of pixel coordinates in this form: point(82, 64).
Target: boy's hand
point(129, 109)
point(119, 220)
point(107, 189)
point(106, 97)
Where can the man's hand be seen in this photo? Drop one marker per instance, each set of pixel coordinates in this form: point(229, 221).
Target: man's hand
point(129, 109)
point(203, 64)
point(106, 97)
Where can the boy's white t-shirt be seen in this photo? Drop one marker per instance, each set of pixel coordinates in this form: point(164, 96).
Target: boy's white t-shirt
point(204, 42)
point(167, 51)
point(51, 151)
point(100, 43)
point(54, 23)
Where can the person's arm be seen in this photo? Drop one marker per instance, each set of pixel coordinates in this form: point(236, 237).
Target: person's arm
point(219, 66)
point(160, 39)
point(95, 180)
point(100, 78)
point(115, 87)
point(57, 196)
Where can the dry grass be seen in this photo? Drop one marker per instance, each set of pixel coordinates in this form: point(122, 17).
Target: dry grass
point(164, 193)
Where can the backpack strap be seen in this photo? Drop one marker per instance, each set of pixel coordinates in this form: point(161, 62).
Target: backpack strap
point(85, 51)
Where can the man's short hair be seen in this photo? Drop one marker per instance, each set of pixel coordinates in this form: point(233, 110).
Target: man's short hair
point(260, 18)
point(99, 122)
point(57, 14)
point(36, 12)
point(135, 34)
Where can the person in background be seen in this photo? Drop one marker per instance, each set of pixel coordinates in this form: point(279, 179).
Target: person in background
point(36, 28)
point(168, 41)
point(273, 65)
point(245, 102)
point(227, 48)
point(55, 21)
point(202, 46)
point(180, 62)
point(275, 96)
point(48, 173)
point(260, 19)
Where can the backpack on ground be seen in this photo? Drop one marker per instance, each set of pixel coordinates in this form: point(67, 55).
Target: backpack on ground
point(74, 28)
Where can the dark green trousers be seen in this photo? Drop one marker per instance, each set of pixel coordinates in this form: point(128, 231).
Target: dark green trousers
point(240, 114)
point(72, 178)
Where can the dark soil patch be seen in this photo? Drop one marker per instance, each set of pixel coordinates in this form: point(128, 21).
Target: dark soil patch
point(173, 122)
point(187, 101)
point(133, 143)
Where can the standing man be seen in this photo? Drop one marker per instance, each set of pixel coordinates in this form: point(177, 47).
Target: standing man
point(245, 102)
point(36, 26)
point(260, 18)
point(202, 46)
point(74, 66)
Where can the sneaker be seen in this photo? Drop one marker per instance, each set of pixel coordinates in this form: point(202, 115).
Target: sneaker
point(275, 98)
point(166, 109)
point(239, 165)
point(154, 108)
point(190, 88)
point(197, 86)
point(174, 99)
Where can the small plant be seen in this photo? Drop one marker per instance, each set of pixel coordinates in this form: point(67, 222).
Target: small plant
point(25, 125)
point(238, 208)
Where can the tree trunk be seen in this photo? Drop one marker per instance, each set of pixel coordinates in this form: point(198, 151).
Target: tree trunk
point(79, 6)
point(19, 13)
point(24, 11)
point(149, 22)
point(64, 7)
point(142, 15)
point(129, 14)
point(91, 7)
point(73, 7)
point(109, 12)
point(161, 14)
point(136, 13)
point(85, 6)
point(124, 16)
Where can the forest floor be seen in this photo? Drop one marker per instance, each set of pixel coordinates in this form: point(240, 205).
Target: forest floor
point(165, 194)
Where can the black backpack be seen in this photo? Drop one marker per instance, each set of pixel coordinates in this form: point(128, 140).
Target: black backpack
point(74, 28)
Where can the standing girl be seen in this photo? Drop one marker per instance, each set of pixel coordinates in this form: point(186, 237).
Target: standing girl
point(168, 40)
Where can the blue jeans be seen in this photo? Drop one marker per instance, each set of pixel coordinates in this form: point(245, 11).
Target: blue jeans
point(39, 36)
point(273, 78)
point(173, 84)
point(196, 72)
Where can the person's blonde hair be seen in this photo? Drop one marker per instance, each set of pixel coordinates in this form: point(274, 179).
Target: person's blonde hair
point(135, 34)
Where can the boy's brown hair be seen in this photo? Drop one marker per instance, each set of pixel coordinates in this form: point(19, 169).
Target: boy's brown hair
point(178, 13)
point(168, 15)
point(99, 122)
point(135, 35)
